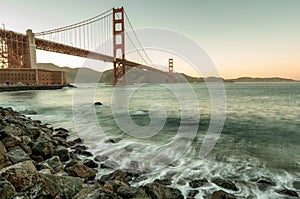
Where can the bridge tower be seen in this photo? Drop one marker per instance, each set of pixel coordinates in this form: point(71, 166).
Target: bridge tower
point(171, 73)
point(118, 45)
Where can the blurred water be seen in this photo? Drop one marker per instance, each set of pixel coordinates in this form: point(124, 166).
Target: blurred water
point(260, 138)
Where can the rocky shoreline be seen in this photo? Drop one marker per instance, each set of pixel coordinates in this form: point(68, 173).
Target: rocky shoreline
point(11, 88)
point(38, 161)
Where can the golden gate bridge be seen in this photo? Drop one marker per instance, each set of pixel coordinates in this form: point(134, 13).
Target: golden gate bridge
point(89, 39)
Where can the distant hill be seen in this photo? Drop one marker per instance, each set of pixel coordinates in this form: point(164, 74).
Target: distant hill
point(257, 79)
point(140, 75)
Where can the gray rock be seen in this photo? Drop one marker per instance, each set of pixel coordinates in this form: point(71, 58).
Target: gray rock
point(4, 161)
point(90, 163)
point(225, 184)
point(20, 175)
point(192, 194)
point(78, 169)
point(222, 195)
point(163, 181)
point(17, 155)
point(101, 158)
point(198, 183)
point(288, 192)
point(95, 192)
point(67, 186)
point(6, 189)
point(63, 153)
point(43, 147)
point(263, 184)
point(11, 141)
point(54, 163)
point(131, 192)
point(158, 191)
point(116, 175)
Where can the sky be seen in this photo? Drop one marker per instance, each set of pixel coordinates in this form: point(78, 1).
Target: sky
point(256, 38)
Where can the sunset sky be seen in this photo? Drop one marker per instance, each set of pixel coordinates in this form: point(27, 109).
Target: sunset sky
point(257, 38)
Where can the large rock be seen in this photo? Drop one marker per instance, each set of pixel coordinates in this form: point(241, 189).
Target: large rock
point(53, 186)
point(264, 184)
point(13, 130)
point(78, 169)
point(288, 192)
point(131, 192)
point(95, 192)
point(63, 153)
point(54, 163)
point(4, 161)
point(222, 195)
point(192, 194)
point(20, 175)
point(11, 141)
point(116, 175)
point(17, 155)
point(225, 184)
point(198, 183)
point(6, 189)
point(43, 147)
point(66, 186)
point(158, 191)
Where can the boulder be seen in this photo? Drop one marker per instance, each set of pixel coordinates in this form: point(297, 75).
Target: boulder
point(78, 169)
point(43, 147)
point(163, 181)
point(13, 130)
point(11, 141)
point(97, 103)
point(131, 192)
point(6, 189)
point(20, 175)
point(113, 185)
point(116, 175)
point(225, 184)
point(198, 183)
point(263, 184)
point(61, 134)
point(17, 155)
point(4, 161)
point(90, 163)
point(192, 194)
point(157, 191)
point(95, 192)
point(176, 193)
point(222, 195)
point(63, 153)
point(54, 163)
point(288, 192)
point(101, 158)
point(67, 186)
point(53, 186)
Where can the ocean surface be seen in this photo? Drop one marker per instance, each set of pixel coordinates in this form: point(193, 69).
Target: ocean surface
point(154, 131)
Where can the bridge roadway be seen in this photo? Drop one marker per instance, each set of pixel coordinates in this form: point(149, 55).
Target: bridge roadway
point(51, 46)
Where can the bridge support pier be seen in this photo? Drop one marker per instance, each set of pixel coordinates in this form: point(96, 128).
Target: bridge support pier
point(171, 73)
point(32, 48)
point(118, 45)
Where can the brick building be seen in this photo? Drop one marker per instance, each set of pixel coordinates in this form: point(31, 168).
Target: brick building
point(32, 76)
point(18, 62)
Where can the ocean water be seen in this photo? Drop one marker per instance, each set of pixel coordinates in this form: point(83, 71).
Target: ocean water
point(160, 131)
